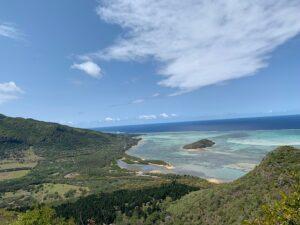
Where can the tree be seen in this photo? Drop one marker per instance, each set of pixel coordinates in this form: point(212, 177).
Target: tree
point(41, 216)
point(283, 212)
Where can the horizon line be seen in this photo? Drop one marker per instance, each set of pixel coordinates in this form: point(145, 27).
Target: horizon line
point(185, 121)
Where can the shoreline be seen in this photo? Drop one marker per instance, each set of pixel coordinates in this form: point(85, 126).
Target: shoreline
point(168, 166)
point(215, 181)
point(194, 149)
point(135, 159)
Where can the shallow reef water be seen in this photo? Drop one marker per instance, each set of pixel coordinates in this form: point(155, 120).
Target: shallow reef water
point(234, 154)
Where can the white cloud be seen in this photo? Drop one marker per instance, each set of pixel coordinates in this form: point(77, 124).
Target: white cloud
point(9, 91)
point(164, 115)
point(152, 116)
point(110, 119)
point(200, 42)
point(10, 87)
point(155, 95)
point(147, 117)
point(10, 31)
point(138, 101)
point(88, 67)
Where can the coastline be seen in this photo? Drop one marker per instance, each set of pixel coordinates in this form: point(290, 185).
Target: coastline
point(169, 166)
point(194, 149)
point(139, 160)
point(133, 160)
point(215, 181)
point(154, 166)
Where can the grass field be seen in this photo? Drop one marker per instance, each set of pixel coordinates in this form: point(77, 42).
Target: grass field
point(13, 174)
point(17, 165)
point(7, 217)
point(46, 193)
point(49, 192)
point(13, 168)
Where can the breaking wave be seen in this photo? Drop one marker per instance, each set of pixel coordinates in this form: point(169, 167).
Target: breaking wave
point(264, 142)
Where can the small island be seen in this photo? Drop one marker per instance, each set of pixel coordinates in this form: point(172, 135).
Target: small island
point(204, 143)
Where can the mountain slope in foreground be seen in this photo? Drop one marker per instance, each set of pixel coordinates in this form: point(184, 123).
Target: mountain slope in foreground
point(50, 164)
point(224, 204)
point(237, 201)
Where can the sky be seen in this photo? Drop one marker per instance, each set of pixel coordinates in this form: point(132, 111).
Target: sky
point(117, 62)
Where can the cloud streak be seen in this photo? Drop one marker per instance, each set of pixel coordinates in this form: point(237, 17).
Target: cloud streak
point(166, 116)
point(89, 67)
point(153, 117)
point(110, 119)
point(9, 91)
point(147, 117)
point(138, 101)
point(9, 30)
point(200, 43)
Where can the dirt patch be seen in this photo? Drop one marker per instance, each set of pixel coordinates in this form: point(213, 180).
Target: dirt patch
point(71, 175)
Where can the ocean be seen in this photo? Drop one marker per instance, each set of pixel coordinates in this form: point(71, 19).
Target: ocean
point(240, 145)
point(257, 123)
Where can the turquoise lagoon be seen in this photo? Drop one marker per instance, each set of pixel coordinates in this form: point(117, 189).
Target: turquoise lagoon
point(234, 154)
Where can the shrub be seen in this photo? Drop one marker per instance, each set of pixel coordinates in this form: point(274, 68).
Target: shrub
point(41, 216)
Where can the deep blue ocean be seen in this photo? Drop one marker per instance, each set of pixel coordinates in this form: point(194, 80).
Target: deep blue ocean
point(258, 123)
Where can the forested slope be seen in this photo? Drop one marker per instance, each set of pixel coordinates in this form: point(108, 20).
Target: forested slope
point(35, 152)
point(223, 204)
point(18, 134)
point(49, 163)
point(242, 199)
point(61, 164)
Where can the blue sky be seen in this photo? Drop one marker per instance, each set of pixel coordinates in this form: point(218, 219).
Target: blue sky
point(104, 63)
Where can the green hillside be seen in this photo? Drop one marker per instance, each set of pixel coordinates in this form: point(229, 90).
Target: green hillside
point(43, 162)
point(74, 172)
point(36, 155)
point(48, 139)
point(233, 203)
point(224, 204)
point(242, 199)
